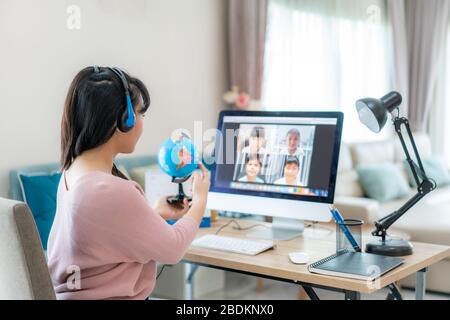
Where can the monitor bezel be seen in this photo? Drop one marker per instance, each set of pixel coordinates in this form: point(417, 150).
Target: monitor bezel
point(339, 116)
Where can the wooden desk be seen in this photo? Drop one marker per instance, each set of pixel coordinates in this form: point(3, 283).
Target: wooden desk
point(319, 242)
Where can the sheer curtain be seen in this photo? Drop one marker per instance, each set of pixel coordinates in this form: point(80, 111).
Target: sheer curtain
point(426, 26)
point(324, 55)
point(246, 33)
point(446, 104)
point(439, 127)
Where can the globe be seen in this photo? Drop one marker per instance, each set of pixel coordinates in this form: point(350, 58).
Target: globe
point(177, 157)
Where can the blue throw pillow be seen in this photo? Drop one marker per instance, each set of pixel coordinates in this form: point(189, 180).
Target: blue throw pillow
point(383, 182)
point(39, 192)
point(435, 169)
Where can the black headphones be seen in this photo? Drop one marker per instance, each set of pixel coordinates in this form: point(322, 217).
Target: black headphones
point(127, 123)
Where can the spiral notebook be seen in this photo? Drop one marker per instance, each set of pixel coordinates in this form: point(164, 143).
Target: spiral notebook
point(355, 265)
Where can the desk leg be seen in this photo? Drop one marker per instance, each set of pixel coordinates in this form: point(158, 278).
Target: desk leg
point(421, 283)
point(259, 285)
point(302, 294)
point(352, 295)
point(189, 287)
point(311, 293)
point(394, 292)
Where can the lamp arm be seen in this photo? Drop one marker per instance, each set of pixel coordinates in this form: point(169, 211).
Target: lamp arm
point(383, 224)
point(417, 169)
point(425, 185)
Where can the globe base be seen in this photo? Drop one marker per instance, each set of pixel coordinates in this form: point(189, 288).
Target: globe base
point(178, 199)
point(173, 200)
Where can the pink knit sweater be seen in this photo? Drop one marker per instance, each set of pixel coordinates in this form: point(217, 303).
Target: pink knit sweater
point(105, 229)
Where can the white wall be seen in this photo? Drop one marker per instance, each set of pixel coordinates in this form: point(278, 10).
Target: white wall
point(178, 48)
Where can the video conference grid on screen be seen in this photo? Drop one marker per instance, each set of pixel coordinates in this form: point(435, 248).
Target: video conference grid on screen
point(272, 154)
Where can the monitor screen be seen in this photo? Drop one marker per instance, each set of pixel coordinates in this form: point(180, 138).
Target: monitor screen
point(290, 155)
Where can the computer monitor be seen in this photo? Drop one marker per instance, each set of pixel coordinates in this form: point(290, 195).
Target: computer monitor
point(278, 164)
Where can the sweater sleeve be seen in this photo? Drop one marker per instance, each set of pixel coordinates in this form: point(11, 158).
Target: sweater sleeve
point(127, 226)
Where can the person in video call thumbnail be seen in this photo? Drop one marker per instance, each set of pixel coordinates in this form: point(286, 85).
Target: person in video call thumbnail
point(256, 143)
point(292, 148)
point(293, 139)
point(290, 172)
point(252, 169)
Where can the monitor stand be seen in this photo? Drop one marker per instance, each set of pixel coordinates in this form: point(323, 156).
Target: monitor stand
point(282, 229)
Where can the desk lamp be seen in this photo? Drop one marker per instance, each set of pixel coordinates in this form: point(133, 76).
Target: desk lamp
point(374, 114)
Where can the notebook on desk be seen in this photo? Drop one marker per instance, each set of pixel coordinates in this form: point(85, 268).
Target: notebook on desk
point(355, 265)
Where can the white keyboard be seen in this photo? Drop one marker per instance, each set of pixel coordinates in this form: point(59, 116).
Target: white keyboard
point(242, 246)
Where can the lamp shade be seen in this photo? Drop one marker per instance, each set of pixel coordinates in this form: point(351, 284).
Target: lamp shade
point(373, 113)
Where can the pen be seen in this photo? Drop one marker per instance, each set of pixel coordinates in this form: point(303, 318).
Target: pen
point(340, 221)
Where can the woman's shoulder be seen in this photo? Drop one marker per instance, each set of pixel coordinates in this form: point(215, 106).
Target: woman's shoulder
point(98, 184)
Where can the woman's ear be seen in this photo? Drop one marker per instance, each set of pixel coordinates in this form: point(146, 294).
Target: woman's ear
point(120, 131)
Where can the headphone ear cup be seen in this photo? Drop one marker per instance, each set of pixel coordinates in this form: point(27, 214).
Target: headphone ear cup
point(131, 117)
point(127, 119)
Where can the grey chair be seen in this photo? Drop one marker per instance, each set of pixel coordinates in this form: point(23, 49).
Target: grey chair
point(24, 273)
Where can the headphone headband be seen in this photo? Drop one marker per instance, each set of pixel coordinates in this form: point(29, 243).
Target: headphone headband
point(126, 123)
point(122, 77)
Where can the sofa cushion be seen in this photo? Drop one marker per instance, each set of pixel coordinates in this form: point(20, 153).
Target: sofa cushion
point(15, 188)
point(39, 192)
point(428, 221)
point(373, 152)
point(138, 174)
point(345, 159)
point(358, 208)
point(423, 144)
point(434, 168)
point(382, 182)
point(347, 185)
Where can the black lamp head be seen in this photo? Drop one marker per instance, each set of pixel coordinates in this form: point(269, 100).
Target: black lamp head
point(374, 112)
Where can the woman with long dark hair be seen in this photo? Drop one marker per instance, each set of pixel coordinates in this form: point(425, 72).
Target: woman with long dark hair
point(106, 239)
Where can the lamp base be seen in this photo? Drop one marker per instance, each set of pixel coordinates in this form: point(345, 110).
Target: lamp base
point(390, 247)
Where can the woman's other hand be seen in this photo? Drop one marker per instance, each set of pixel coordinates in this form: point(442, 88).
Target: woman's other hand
point(171, 212)
point(200, 186)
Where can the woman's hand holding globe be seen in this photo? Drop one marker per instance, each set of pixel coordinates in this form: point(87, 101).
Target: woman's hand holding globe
point(178, 158)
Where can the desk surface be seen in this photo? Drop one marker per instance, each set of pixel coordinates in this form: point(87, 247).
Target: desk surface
point(318, 241)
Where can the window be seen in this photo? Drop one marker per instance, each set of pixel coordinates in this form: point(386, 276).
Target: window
point(324, 55)
point(443, 108)
point(446, 102)
point(440, 114)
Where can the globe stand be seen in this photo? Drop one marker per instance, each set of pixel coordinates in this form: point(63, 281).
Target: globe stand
point(178, 199)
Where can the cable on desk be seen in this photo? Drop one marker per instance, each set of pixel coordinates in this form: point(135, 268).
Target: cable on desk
point(239, 227)
point(312, 225)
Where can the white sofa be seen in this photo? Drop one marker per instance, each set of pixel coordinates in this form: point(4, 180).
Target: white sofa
point(428, 221)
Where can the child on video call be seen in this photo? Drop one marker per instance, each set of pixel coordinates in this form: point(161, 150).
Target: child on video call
point(256, 142)
point(290, 172)
point(292, 148)
point(252, 169)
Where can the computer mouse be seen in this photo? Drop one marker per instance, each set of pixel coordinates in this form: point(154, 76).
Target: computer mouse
point(299, 257)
